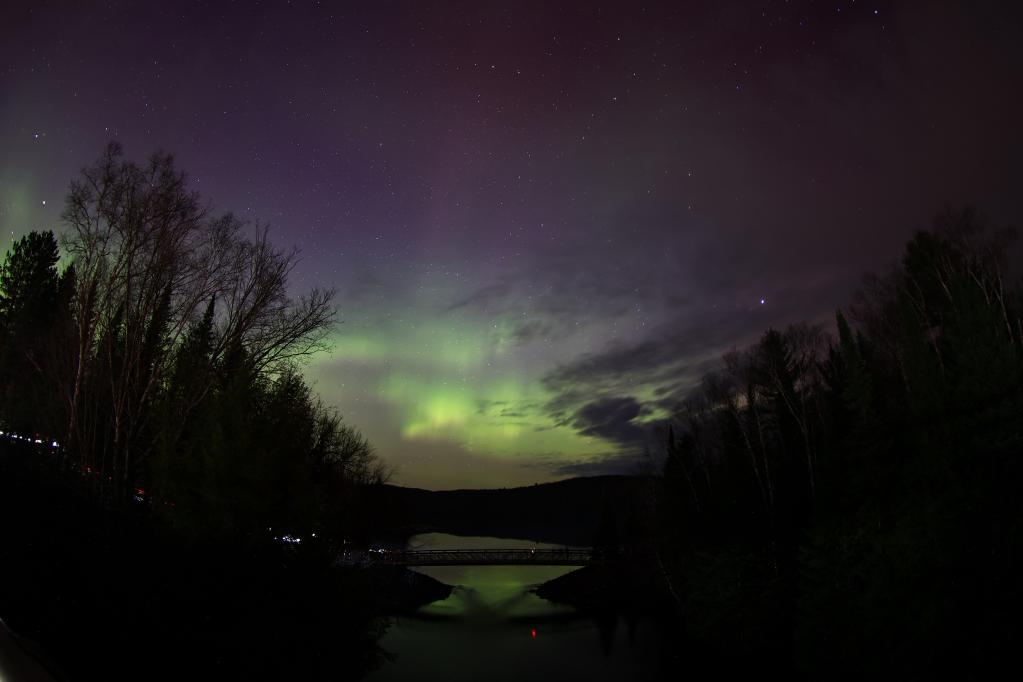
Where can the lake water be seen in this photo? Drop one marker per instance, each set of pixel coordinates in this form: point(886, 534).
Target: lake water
point(492, 627)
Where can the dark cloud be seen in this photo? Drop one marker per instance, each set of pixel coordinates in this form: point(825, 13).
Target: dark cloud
point(484, 298)
point(630, 464)
point(487, 406)
point(531, 330)
point(644, 360)
point(668, 364)
point(555, 293)
point(612, 419)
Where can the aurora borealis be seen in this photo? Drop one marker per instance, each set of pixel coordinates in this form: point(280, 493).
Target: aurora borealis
point(544, 221)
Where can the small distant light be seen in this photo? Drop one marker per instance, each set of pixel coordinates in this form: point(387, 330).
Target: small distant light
point(54, 444)
point(762, 301)
point(532, 633)
point(39, 441)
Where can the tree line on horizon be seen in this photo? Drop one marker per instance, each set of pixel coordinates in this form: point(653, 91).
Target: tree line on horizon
point(163, 359)
point(851, 501)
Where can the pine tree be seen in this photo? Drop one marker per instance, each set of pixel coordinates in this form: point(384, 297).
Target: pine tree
point(29, 286)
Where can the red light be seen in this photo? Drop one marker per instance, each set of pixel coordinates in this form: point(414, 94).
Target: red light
point(532, 633)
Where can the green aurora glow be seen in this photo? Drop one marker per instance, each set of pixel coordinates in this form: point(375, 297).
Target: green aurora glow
point(466, 386)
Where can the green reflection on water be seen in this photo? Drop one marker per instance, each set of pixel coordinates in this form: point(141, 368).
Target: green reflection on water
point(489, 592)
point(493, 628)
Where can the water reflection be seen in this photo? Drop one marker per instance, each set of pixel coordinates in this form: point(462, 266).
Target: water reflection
point(492, 627)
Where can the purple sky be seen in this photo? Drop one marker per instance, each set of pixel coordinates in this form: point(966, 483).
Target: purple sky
point(543, 222)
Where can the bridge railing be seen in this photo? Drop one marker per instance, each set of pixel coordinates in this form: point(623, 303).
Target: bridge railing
point(472, 557)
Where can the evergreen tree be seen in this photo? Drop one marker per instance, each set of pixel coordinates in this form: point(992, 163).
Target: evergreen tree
point(29, 294)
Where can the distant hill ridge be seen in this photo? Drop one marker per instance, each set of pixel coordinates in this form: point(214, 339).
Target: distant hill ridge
point(564, 512)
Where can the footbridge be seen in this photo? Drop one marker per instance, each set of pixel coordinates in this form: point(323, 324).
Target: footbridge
point(478, 557)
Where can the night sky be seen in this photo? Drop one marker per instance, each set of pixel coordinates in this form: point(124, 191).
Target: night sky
point(544, 223)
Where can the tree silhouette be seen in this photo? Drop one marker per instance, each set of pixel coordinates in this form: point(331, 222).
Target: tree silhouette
point(30, 290)
point(888, 462)
point(149, 257)
point(164, 357)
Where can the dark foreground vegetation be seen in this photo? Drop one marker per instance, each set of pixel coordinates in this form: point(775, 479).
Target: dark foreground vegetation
point(116, 595)
point(172, 492)
point(852, 505)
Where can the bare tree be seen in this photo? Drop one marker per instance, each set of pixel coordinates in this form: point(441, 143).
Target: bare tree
point(148, 258)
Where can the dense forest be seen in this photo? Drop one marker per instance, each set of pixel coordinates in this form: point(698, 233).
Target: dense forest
point(851, 502)
point(161, 359)
point(171, 472)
